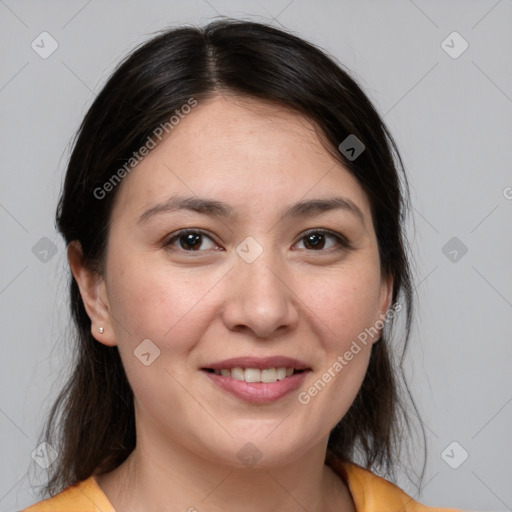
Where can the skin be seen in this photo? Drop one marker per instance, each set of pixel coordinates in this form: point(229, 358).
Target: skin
point(205, 306)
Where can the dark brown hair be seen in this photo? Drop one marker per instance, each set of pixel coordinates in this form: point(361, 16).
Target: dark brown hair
point(92, 423)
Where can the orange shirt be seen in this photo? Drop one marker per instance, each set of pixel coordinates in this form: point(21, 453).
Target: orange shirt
point(370, 493)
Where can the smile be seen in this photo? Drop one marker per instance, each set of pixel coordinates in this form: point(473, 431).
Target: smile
point(256, 391)
point(256, 375)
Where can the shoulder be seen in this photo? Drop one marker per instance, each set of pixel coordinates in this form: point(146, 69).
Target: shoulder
point(372, 493)
point(84, 496)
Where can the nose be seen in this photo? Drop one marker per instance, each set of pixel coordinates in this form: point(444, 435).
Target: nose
point(260, 298)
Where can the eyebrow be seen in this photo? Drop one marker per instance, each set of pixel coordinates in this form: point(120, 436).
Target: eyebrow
point(219, 209)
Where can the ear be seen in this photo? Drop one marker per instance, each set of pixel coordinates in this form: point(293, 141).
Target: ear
point(94, 296)
point(386, 295)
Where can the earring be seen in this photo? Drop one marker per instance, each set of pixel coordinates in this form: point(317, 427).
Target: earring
point(100, 330)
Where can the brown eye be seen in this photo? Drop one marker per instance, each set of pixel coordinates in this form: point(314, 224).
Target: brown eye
point(190, 241)
point(318, 240)
point(315, 241)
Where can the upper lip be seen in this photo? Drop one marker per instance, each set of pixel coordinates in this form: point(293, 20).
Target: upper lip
point(259, 362)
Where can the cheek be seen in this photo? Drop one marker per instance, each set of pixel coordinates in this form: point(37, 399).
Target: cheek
point(170, 307)
point(343, 312)
point(147, 300)
point(345, 303)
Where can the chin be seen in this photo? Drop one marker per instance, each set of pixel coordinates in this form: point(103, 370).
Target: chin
point(259, 452)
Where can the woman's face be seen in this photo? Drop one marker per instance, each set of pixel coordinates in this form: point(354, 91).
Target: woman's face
point(255, 278)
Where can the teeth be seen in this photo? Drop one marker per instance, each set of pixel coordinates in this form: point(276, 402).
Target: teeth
point(238, 374)
point(267, 375)
point(252, 375)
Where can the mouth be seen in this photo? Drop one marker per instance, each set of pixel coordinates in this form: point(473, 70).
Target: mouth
point(255, 375)
point(256, 380)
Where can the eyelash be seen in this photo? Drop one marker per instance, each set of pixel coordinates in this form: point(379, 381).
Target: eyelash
point(343, 243)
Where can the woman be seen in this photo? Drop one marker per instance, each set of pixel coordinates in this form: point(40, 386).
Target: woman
point(233, 216)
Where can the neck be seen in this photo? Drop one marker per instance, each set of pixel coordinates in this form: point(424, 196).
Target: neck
point(155, 477)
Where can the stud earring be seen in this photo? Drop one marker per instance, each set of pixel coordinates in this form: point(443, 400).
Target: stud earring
point(100, 330)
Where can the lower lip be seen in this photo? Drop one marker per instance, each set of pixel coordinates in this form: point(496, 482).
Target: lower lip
point(258, 392)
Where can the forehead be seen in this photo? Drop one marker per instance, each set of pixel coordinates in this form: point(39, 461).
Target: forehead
point(249, 153)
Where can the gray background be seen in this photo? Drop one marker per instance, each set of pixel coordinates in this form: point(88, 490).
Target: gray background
point(452, 120)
